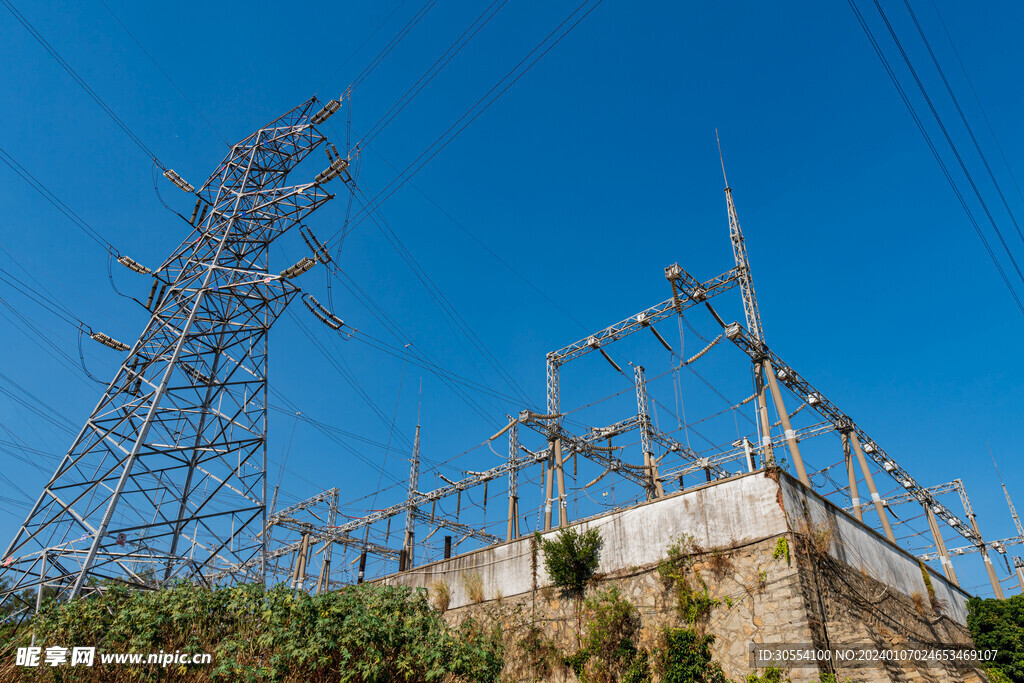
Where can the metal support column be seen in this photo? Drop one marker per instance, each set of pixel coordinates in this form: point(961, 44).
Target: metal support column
point(780, 406)
point(1018, 565)
point(655, 489)
point(410, 514)
point(513, 483)
point(871, 486)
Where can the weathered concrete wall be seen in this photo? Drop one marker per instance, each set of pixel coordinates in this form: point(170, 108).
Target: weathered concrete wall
point(733, 512)
point(840, 583)
point(864, 549)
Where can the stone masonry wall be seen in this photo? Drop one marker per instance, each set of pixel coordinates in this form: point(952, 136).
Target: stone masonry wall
point(838, 584)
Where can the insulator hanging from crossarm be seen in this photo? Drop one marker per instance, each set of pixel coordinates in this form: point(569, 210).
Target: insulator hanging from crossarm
point(321, 312)
point(152, 292)
point(178, 181)
point(192, 220)
point(304, 264)
point(108, 341)
point(194, 374)
point(326, 112)
point(132, 264)
point(316, 246)
point(338, 167)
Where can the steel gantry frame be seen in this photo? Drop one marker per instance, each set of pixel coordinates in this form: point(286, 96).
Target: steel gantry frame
point(166, 480)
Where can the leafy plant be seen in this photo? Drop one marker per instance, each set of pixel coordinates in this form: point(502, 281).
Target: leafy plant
point(781, 550)
point(693, 606)
point(686, 658)
point(613, 624)
point(539, 652)
point(774, 674)
point(571, 559)
point(719, 563)
point(999, 625)
point(368, 632)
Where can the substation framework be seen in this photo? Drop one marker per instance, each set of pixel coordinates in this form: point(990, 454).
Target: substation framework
point(167, 480)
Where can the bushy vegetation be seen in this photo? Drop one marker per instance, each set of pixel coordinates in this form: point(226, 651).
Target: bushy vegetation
point(686, 658)
point(571, 559)
point(999, 625)
point(609, 651)
point(693, 599)
point(368, 632)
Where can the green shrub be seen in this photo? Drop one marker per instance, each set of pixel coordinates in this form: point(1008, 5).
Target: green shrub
point(774, 674)
point(368, 632)
point(571, 559)
point(999, 625)
point(686, 658)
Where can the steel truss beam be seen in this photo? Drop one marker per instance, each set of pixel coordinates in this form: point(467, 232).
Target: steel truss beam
point(736, 333)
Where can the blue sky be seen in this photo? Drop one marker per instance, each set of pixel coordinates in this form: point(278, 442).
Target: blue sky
point(592, 173)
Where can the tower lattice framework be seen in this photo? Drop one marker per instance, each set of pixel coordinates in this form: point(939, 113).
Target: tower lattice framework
point(167, 479)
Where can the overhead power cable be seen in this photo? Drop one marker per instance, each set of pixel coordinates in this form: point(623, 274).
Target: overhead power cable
point(931, 146)
point(361, 46)
point(432, 71)
point(49, 196)
point(963, 118)
point(393, 43)
point(483, 246)
point(166, 75)
point(977, 99)
point(471, 114)
point(81, 82)
point(949, 140)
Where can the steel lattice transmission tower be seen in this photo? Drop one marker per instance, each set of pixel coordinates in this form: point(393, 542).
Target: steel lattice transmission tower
point(167, 479)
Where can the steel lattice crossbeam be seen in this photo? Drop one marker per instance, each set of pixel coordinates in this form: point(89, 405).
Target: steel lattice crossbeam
point(167, 478)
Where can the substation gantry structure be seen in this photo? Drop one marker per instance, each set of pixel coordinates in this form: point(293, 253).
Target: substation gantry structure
point(999, 546)
point(167, 478)
point(770, 374)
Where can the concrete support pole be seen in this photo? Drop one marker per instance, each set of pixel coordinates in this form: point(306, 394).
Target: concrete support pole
point(299, 570)
point(940, 546)
point(780, 406)
point(871, 486)
point(512, 530)
point(767, 456)
point(548, 477)
point(325, 569)
point(997, 588)
point(852, 474)
point(563, 507)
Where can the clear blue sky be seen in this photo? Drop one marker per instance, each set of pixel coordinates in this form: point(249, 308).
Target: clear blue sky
point(587, 177)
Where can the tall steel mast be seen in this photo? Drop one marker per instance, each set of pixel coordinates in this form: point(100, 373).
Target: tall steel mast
point(762, 365)
point(167, 479)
